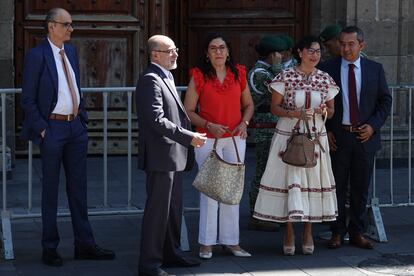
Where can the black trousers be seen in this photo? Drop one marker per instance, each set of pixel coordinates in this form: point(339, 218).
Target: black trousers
point(161, 224)
point(351, 164)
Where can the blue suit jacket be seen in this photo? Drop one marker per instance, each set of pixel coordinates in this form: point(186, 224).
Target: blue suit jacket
point(40, 88)
point(375, 100)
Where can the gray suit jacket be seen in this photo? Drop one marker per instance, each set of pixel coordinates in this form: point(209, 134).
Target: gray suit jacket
point(164, 127)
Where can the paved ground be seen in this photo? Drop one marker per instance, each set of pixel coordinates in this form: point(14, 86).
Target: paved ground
point(121, 233)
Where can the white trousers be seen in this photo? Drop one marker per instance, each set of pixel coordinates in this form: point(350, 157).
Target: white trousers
point(213, 212)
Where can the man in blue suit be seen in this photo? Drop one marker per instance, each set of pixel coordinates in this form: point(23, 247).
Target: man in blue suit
point(361, 109)
point(56, 120)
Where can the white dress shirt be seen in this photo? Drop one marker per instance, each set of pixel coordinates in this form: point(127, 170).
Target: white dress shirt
point(64, 103)
point(344, 82)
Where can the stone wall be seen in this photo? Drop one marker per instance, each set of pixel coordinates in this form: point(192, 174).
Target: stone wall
point(386, 25)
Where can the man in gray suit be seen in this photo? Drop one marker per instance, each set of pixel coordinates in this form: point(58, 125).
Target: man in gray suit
point(165, 151)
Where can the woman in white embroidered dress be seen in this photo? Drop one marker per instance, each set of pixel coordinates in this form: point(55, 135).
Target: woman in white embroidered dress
point(294, 194)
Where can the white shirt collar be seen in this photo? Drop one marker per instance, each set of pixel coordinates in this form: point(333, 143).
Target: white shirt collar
point(55, 49)
point(165, 71)
point(357, 63)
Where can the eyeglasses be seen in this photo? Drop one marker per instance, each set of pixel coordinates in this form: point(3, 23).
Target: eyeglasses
point(312, 51)
point(214, 49)
point(67, 25)
point(169, 51)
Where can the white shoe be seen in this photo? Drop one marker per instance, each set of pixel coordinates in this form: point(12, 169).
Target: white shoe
point(288, 250)
point(308, 249)
point(205, 255)
point(237, 253)
point(206, 252)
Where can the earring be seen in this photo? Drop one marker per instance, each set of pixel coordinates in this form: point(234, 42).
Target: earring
point(207, 59)
point(228, 58)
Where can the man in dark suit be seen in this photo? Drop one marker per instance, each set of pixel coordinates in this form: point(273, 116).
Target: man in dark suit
point(361, 109)
point(165, 145)
point(55, 119)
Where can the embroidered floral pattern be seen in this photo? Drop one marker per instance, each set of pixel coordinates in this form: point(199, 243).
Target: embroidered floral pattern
point(318, 81)
point(304, 190)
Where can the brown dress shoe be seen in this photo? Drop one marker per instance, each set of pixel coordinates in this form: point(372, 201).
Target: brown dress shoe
point(335, 241)
point(361, 242)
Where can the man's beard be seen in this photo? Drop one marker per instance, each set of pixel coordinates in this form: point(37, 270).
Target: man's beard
point(174, 66)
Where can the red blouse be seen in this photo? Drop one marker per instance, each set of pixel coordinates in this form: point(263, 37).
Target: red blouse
point(220, 103)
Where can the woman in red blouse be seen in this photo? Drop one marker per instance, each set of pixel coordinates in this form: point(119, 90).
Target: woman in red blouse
point(218, 87)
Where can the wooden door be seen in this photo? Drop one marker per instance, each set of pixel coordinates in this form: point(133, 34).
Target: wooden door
point(243, 22)
point(110, 38)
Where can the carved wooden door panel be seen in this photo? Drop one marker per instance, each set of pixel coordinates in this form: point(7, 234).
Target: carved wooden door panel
point(243, 22)
point(106, 35)
point(110, 38)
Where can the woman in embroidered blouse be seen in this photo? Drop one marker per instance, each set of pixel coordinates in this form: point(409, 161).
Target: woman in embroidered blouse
point(219, 87)
point(294, 194)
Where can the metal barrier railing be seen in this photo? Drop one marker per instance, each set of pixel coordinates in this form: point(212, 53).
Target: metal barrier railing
point(398, 90)
point(7, 215)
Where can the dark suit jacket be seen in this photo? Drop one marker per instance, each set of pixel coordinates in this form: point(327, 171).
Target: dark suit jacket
point(375, 99)
point(40, 88)
point(164, 136)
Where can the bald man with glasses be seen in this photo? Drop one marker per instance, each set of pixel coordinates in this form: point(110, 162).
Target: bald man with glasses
point(165, 150)
point(56, 120)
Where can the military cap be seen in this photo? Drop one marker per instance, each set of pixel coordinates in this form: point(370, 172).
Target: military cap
point(330, 31)
point(269, 44)
point(288, 40)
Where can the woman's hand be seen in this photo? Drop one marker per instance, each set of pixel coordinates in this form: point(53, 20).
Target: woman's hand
point(217, 130)
point(240, 130)
point(297, 113)
point(321, 109)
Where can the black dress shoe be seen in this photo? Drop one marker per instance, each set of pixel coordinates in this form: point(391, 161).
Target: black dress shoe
point(50, 257)
point(154, 272)
point(93, 253)
point(182, 262)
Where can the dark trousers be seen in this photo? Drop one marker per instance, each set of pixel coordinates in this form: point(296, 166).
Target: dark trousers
point(65, 143)
point(351, 162)
point(161, 224)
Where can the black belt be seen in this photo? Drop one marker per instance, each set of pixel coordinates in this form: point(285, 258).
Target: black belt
point(352, 129)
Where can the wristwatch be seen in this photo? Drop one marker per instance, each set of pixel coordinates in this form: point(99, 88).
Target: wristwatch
point(246, 122)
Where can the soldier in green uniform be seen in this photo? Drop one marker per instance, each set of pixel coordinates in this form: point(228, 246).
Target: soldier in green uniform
point(263, 123)
point(330, 40)
point(288, 60)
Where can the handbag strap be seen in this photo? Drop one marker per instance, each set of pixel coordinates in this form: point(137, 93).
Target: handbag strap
point(235, 146)
point(303, 119)
point(318, 134)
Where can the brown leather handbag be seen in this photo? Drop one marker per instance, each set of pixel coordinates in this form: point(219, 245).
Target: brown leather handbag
point(300, 149)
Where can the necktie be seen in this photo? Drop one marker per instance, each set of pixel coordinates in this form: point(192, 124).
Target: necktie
point(352, 96)
point(171, 78)
point(70, 83)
